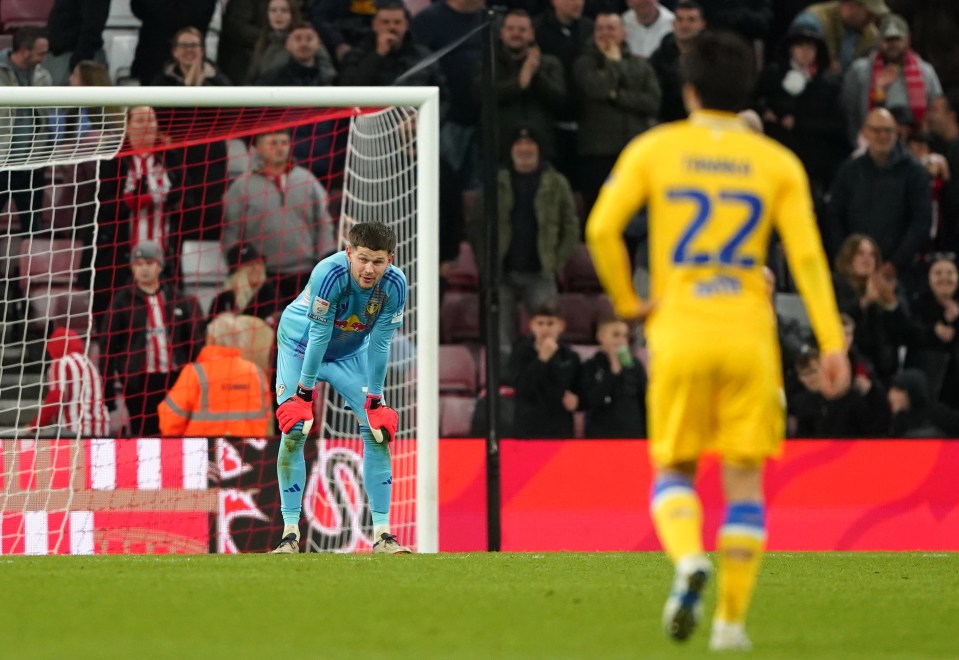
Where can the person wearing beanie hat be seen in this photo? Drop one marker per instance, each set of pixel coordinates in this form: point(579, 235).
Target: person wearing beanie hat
point(848, 28)
point(909, 403)
point(74, 403)
point(148, 332)
point(247, 290)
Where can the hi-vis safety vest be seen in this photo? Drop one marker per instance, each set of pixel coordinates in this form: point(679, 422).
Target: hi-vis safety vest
point(219, 394)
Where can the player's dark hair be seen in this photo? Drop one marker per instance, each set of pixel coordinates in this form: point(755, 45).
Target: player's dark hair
point(722, 69)
point(373, 236)
point(26, 36)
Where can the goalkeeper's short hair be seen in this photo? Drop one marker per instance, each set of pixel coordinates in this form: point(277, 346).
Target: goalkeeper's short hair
point(374, 236)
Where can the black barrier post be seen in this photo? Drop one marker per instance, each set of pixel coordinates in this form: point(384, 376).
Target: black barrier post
point(490, 297)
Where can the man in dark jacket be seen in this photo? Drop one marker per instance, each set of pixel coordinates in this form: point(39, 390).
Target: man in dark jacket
point(884, 194)
point(309, 65)
point(619, 98)
point(688, 23)
point(388, 53)
point(75, 29)
point(148, 334)
point(544, 373)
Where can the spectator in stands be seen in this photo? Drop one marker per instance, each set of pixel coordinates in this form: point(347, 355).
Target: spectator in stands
point(618, 97)
point(613, 384)
point(646, 23)
point(688, 23)
point(847, 26)
point(71, 125)
point(245, 291)
point(538, 230)
point(243, 23)
point(798, 99)
point(160, 20)
point(563, 31)
point(862, 411)
point(943, 125)
point(388, 52)
point(22, 66)
point(189, 66)
point(309, 64)
point(749, 18)
point(530, 86)
point(942, 234)
point(349, 20)
point(437, 26)
point(909, 403)
point(148, 333)
point(883, 193)
point(281, 210)
point(74, 402)
point(545, 374)
point(270, 51)
point(221, 393)
point(870, 296)
point(894, 76)
point(75, 28)
point(933, 346)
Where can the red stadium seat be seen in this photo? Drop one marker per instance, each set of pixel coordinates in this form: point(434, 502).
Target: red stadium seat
point(465, 275)
point(459, 317)
point(579, 311)
point(456, 416)
point(578, 275)
point(458, 374)
point(15, 13)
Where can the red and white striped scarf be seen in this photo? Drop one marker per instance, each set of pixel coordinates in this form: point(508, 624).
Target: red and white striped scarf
point(915, 85)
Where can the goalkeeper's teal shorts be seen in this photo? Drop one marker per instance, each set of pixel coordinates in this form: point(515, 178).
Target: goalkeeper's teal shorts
point(346, 376)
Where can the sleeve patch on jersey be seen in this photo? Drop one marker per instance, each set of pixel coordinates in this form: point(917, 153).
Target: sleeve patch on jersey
point(397, 318)
point(319, 308)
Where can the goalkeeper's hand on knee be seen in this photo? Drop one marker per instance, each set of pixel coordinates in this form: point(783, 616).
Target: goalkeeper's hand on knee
point(383, 419)
point(298, 408)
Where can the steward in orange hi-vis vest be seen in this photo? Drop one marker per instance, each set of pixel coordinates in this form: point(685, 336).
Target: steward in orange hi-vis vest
point(221, 393)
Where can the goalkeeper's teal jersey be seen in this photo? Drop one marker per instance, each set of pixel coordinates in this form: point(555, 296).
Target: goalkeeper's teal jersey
point(334, 319)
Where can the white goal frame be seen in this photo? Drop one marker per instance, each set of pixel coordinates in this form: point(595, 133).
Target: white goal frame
point(426, 101)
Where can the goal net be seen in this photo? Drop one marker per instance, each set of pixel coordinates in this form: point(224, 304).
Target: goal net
point(132, 217)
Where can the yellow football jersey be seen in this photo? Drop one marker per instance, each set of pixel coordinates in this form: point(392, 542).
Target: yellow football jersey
point(714, 191)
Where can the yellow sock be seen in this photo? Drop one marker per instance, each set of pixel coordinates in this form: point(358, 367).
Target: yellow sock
point(678, 517)
point(740, 545)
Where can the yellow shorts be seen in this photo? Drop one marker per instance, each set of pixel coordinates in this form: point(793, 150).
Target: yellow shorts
point(719, 395)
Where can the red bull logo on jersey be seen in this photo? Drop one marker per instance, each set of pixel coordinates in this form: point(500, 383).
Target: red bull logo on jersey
point(352, 324)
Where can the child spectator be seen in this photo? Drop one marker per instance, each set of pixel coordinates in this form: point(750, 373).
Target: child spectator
point(613, 386)
point(544, 373)
point(270, 51)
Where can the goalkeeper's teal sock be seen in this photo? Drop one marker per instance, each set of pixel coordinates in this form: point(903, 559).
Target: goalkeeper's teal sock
point(378, 477)
point(291, 471)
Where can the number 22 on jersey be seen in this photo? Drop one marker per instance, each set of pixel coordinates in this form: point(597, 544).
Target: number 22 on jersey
point(728, 253)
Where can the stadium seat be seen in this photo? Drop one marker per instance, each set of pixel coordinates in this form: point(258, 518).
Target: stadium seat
point(45, 262)
point(459, 317)
point(579, 310)
point(585, 351)
point(16, 13)
point(456, 416)
point(121, 16)
point(790, 306)
point(465, 275)
point(120, 47)
point(202, 263)
point(458, 373)
point(578, 275)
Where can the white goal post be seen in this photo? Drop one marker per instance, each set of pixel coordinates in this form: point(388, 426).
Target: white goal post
point(424, 303)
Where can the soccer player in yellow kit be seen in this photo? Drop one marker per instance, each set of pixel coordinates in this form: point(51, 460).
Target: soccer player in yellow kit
point(714, 190)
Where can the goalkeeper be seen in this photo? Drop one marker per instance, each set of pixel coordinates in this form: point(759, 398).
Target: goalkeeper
point(339, 331)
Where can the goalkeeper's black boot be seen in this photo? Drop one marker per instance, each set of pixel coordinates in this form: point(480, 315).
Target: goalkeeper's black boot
point(388, 545)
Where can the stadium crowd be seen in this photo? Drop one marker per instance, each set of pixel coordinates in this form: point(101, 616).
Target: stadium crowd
point(865, 92)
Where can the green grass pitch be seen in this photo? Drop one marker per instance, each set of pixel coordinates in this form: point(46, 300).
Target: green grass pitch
point(488, 606)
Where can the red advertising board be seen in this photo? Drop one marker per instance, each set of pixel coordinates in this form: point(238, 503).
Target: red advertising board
point(588, 495)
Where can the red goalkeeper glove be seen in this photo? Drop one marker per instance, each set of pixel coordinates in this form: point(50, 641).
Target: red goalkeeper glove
point(298, 408)
point(383, 419)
